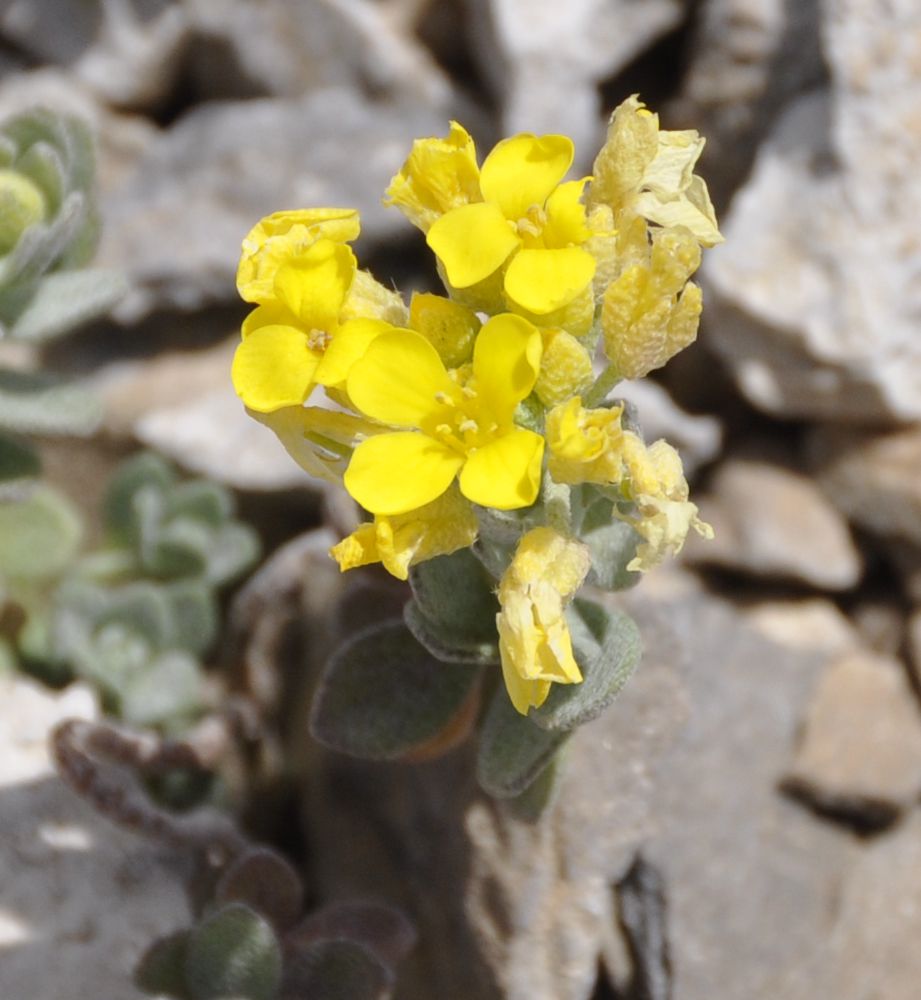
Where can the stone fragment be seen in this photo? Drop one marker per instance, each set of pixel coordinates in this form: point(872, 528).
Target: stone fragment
point(773, 522)
point(177, 223)
point(872, 477)
point(127, 51)
point(544, 60)
point(81, 899)
point(914, 646)
point(698, 438)
point(286, 48)
point(812, 623)
point(860, 752)
point(818, 318)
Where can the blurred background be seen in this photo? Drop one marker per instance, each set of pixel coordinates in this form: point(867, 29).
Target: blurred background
point(743, 823)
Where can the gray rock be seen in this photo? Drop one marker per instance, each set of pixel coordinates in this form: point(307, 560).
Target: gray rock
point(127, 51)
point(914, 645)
point(872, 477)
point(81, 899)
point(773, 522)
point(808, 624)
point(860, 752)
point(819, 319)
point(683, 767)
point(289, 47)
point(748, 58)
point(177, 223)
point(698, 438)
point(544, 60)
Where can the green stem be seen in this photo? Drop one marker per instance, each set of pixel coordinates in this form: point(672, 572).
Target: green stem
point(557, 505)
point(602, 386)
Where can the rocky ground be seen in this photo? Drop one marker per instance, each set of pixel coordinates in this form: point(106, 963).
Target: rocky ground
point(743, 823)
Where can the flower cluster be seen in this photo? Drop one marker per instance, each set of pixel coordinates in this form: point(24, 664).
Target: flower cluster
point(439, 416)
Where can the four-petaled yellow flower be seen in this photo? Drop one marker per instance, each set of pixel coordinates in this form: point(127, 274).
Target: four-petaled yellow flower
point(514, 213)
point(585, 445)
point(535, 646)
point(463, 425)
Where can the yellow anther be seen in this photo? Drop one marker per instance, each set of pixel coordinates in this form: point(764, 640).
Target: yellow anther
point(468, 392)
point(443, 398)
point(468, 425)
point(319, 340)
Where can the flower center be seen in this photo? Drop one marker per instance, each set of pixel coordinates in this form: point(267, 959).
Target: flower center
point(319, 340)
point(532, 223)
point(462, 423)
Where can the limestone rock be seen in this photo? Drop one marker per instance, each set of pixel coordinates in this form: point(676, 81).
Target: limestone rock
point(127, 51)
point(812, 623)
point(872, 477)
point(817, 300)
point(289, 47)
point(544, 60)
point(177, 223)
point(860, 753)
point(773, 522)
point(81, 899)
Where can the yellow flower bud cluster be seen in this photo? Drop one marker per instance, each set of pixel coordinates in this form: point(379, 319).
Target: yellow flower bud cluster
point(491, 398)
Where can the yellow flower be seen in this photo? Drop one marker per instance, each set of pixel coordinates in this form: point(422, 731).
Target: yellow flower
point(438, 175)
point(451, 428)
point(298, 338)
point(278, 238)
point(643, 171)
point(660, 492)
point(535, 646)
point(514, 214)
point(651, 311)
point(586, 446)
point(402, 540)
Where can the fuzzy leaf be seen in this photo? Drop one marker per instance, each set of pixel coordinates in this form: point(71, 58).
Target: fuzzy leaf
point(607, 647)
point(233, 953)
point(382, 694)
point(161, 970)
point(195, 616)
point(31, 403)
point(18, 460)
point(612, 543)
point(39, 536)
point(337, 970)
point(167, 690)
point(145, 469)
point(454, 608)
point(267, 883)
point(232, 550)
point(537, 798)
point(513, 751)
point(65, 300)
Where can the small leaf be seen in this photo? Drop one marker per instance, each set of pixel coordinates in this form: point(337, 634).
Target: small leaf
point(382, 694)
point(382, 930)
point(513, 750)
point(145, 469)
point(194, 613)
point(337, 970)
point(607, 647)
point(613, 545)
point(455, 607)
point(233, 953)
point(201, 500)
point(233, 549)
point(537, 798)
point(161, 970)
point(39, 536)
point(18, 460)
point(166, 690)
point(267, 883)
point(32, 403)
point(65, 300)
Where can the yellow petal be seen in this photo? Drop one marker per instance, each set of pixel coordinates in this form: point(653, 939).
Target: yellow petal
point(273, 367)
point(505, 473)
point(471, 242)
point(506, 360)
point(523, 170)
point(349, 343)
point(566, 220)
point(397, 472)
point(274, 314)
point(283, 235)
point(357, 549)
point(314, 285)
point(631, 144)
point(543, 280)
point(438, 175)
point(397, 379)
